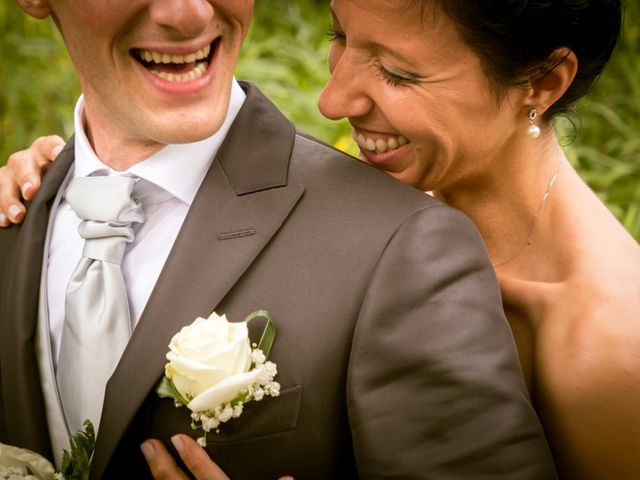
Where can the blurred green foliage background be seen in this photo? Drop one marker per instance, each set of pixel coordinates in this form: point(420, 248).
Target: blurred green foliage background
point(286, 57)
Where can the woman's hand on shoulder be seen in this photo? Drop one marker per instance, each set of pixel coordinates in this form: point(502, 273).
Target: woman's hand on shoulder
point(20, 178)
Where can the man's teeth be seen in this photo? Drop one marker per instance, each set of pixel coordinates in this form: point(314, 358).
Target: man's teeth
point(197, 72)
point(380, 145)
point(196, 59)
point(157, 57)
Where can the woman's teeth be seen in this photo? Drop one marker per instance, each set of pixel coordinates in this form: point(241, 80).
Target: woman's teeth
point(380, 145)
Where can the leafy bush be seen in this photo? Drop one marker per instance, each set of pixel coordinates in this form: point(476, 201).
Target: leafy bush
point(607, 149)
point(286, 57)
point(38, 88)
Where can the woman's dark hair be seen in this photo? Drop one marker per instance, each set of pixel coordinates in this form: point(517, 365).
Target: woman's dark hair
point(516, 39)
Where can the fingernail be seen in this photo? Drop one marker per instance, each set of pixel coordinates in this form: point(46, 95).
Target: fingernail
point(14, 211)
point(26, 187)
point(148, 451)
point(56, 150)
point(3, 218)
point(177, 442)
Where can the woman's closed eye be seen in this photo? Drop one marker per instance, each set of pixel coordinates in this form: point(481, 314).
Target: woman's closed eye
point(334, 35)
point(395, 79)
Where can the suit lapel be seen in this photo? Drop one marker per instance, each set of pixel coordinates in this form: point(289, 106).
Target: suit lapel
point(241, 204)
point(21, 388)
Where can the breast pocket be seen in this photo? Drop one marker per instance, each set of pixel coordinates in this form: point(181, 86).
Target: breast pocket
point(269, 416)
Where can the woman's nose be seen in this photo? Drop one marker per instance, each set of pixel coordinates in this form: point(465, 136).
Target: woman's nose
point(344, 95)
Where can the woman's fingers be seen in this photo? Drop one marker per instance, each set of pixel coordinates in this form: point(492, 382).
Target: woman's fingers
point(195, 458)
point(11, 209)
point(22, 175)
point(31, 164)
point(160, 461)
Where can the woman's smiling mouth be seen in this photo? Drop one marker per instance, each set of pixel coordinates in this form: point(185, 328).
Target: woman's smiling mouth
point(382, 150)
point(380, 144)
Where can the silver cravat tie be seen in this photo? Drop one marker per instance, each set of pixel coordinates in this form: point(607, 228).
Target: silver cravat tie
point(97, 323)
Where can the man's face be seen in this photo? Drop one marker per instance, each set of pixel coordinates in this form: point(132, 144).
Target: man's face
point(153, 71)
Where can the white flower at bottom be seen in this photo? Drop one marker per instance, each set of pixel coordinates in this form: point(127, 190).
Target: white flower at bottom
point(19, 463)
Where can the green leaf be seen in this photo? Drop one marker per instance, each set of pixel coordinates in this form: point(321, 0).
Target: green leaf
point(268, 334)
point(76, 465)
point(166, 389)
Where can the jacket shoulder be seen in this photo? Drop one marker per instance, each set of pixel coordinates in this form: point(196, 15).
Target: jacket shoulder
point(328, 167)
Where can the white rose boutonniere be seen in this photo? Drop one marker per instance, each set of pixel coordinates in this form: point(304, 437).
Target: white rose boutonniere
point(213, 369)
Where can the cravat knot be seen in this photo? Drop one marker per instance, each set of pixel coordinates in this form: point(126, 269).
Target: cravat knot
point(108, 213)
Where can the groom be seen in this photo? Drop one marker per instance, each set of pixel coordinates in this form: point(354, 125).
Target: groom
point(393, 354)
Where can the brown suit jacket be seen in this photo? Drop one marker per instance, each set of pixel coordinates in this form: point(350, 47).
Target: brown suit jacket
point(393, 352)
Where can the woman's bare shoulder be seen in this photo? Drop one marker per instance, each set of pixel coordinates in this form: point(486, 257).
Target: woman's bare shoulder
point(588, 381)
point(594, 313)
point(588, 370)
point(582, 328)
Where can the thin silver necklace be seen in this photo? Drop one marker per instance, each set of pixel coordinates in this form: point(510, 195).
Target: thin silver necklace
point(534, 219)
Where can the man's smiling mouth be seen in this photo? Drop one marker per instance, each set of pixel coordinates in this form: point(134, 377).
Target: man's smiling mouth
point(177, 68)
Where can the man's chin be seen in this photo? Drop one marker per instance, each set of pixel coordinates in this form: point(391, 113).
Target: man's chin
point(187, 133)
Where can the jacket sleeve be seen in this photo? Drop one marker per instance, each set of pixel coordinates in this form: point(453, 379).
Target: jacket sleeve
point(7, 236)
point(434, 387)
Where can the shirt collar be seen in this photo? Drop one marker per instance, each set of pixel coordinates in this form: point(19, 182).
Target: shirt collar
point(165, 168)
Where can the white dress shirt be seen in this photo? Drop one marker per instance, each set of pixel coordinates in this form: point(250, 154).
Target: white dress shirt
point(177, 169)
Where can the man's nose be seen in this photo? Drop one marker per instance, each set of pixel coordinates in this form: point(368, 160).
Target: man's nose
point(188, 17)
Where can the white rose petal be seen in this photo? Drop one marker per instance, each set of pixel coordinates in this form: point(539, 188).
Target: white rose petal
point(224, 391)
point(233, 357)
point(199, 373)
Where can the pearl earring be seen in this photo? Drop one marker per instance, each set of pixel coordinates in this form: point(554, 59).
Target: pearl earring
point(533, 130)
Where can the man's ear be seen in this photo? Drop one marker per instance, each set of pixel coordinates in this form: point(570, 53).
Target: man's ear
point(544, 92)
point(35, 8)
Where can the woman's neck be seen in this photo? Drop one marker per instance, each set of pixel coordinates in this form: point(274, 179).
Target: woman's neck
point(511, 207)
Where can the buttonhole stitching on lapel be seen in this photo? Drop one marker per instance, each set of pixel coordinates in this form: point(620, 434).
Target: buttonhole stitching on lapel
point(246, 232)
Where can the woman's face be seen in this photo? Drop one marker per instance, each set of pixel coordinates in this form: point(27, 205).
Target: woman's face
point(420, 104)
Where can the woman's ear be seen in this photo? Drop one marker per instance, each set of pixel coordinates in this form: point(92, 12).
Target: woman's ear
point(35, 8)
point(545, 91)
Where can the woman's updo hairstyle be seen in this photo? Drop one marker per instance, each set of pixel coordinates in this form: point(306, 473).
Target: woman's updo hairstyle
point(516, 39)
